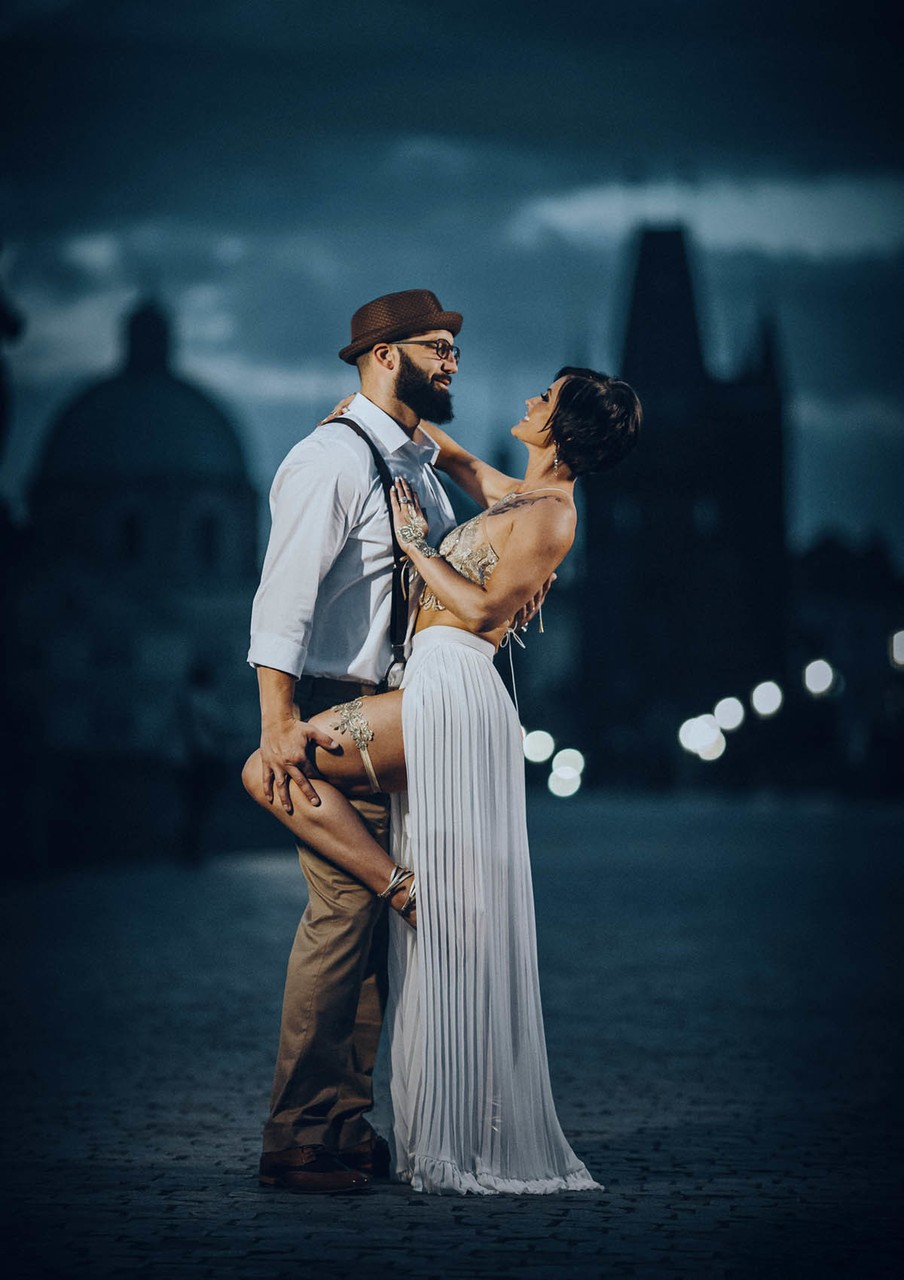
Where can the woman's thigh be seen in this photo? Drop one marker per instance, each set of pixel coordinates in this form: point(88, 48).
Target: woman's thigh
point(375, 722)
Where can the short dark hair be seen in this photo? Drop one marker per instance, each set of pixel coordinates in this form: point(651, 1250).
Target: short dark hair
point(596, 420)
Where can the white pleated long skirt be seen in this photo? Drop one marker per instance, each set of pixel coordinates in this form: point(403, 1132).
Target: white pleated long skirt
point(473, 1109)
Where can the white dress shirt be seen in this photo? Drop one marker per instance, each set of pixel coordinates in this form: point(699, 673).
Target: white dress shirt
point(325, 595)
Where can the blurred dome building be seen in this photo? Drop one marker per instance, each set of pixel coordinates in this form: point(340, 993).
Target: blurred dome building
point(144, 423)
point(133, 601)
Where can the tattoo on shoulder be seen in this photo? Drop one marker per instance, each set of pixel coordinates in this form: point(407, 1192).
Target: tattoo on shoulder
point(520, 500)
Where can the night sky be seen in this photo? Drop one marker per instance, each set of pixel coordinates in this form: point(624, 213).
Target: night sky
point(266, 167)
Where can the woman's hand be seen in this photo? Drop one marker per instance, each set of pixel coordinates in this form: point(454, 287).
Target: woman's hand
point(338, 411)
point(532, 607)
point(407, 517)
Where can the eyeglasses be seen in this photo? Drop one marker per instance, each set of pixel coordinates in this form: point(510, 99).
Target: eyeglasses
point(442, 349)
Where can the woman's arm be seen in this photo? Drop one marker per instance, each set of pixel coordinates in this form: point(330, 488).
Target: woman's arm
point(479, 480)
point(534, 548)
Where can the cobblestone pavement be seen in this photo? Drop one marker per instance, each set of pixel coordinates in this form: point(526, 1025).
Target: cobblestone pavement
point(721, 986)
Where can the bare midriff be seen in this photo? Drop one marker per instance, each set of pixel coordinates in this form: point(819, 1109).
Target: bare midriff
point(449, 619)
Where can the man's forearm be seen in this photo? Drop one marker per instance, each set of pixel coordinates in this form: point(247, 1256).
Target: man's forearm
point(277, 695)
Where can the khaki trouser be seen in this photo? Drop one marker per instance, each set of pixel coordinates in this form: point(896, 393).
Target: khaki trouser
point(335, 988)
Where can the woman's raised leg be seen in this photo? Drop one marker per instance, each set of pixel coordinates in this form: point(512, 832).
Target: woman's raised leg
point(370, 733)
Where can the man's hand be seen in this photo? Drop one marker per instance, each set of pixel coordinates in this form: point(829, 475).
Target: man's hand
point(532, 606)
point(284, 755)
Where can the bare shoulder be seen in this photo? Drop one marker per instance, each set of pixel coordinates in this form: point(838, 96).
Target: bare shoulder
point(550, 508)
point(544, 517)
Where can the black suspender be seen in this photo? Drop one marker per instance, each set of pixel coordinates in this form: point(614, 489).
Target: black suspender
point(398, 625)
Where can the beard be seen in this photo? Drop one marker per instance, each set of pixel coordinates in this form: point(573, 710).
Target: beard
point(418, 391)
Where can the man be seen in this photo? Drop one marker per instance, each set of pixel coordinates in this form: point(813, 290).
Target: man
point(320, 633)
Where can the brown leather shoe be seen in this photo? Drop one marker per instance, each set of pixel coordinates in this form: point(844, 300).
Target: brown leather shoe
point(309, 1171)
point(370, 1157)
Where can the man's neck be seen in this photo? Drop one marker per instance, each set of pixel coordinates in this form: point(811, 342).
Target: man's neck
point(400, 413)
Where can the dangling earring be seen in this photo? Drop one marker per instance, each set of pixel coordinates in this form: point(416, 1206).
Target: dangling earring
point(555, 464)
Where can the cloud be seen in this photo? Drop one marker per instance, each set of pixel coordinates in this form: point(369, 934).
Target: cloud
point(249, 380)
point(832, 217)
point(204, 315)
point(418, 155)
point(97, 254)
point(879, 417)
point(77, 338)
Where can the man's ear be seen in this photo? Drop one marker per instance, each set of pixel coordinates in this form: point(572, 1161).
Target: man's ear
point(384, 355)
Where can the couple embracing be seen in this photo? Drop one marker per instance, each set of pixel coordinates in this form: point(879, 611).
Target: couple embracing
point(402, 781)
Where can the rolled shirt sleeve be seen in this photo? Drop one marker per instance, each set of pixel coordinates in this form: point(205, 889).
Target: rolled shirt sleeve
point(315, 499)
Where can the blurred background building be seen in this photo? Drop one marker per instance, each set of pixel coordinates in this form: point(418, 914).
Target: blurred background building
point(686, 597)
point(707, 198)
point(129, 603)
point(686, 566)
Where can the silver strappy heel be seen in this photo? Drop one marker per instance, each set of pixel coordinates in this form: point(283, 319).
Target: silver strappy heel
point(401, 876)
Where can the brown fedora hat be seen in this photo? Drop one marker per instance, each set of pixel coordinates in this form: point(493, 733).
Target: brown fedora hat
point(396, 315)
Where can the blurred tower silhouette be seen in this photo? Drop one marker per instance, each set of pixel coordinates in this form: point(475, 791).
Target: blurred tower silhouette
point(142, 567)
point(12, 542)
point(685, 598)
point(12, 326)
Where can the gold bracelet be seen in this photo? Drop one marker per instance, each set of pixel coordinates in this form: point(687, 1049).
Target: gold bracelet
point(421, 544)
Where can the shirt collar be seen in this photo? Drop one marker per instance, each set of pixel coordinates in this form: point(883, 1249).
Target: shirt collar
point(389, 433)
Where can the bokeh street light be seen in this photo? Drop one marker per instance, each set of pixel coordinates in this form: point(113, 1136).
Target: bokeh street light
point(567, 767)
point(564, 785)
point(699, 734)
point(568, 758)
point(766, 698)
point(729, 713)
point(538, 745)
point(819, 677)
point(714, 749)
point(896, 649)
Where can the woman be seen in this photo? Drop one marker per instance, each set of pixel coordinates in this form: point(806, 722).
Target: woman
point(473, 1109)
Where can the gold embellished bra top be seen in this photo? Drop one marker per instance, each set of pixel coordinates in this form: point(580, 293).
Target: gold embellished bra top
point(469, 551)
point(475, 559)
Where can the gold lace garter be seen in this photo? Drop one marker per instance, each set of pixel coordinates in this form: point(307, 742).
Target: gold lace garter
point(353, 721)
